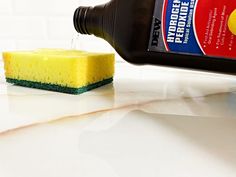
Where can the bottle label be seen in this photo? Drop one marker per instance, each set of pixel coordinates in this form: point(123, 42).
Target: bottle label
point(194, 27)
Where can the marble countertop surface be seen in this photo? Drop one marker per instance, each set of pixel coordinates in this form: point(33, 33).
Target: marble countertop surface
point(151, 121)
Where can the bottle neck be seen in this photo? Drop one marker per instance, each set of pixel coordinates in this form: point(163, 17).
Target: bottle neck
point(89, 20)
point(98, 20)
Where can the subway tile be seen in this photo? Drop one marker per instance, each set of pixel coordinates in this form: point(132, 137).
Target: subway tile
point(60, 28)
point(14, 27)
point(7, 45)
point(44, 7)
point(35, 44)
point(5, 7)
point(51, 7)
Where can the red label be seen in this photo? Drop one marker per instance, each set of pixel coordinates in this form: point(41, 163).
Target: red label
point(211, 27)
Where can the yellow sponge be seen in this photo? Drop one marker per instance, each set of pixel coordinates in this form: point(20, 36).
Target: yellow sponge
point(68, 71)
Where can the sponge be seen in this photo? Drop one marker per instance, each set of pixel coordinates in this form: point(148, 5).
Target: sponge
point(232, 22)
point(68, 71)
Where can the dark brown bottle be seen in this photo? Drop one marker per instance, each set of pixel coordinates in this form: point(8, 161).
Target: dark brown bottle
point(151, 32)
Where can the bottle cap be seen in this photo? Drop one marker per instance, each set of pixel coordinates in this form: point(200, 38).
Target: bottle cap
point(232, 22)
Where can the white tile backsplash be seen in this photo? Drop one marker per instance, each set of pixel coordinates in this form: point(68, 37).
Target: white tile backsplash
point(6, 45)
point(5, 7)
point(60, 28)
point(34, 44)
point(17, 27)
point(44, 7)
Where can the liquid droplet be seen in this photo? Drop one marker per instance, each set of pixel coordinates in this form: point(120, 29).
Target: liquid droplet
point(75, 44)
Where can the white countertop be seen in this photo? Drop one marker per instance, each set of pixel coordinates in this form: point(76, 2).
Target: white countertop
point(151, 122)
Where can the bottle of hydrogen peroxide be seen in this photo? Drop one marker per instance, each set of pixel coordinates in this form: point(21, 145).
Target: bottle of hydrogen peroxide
point(193, 34)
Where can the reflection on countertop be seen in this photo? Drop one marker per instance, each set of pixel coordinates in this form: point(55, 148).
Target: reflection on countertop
point(151, 121)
